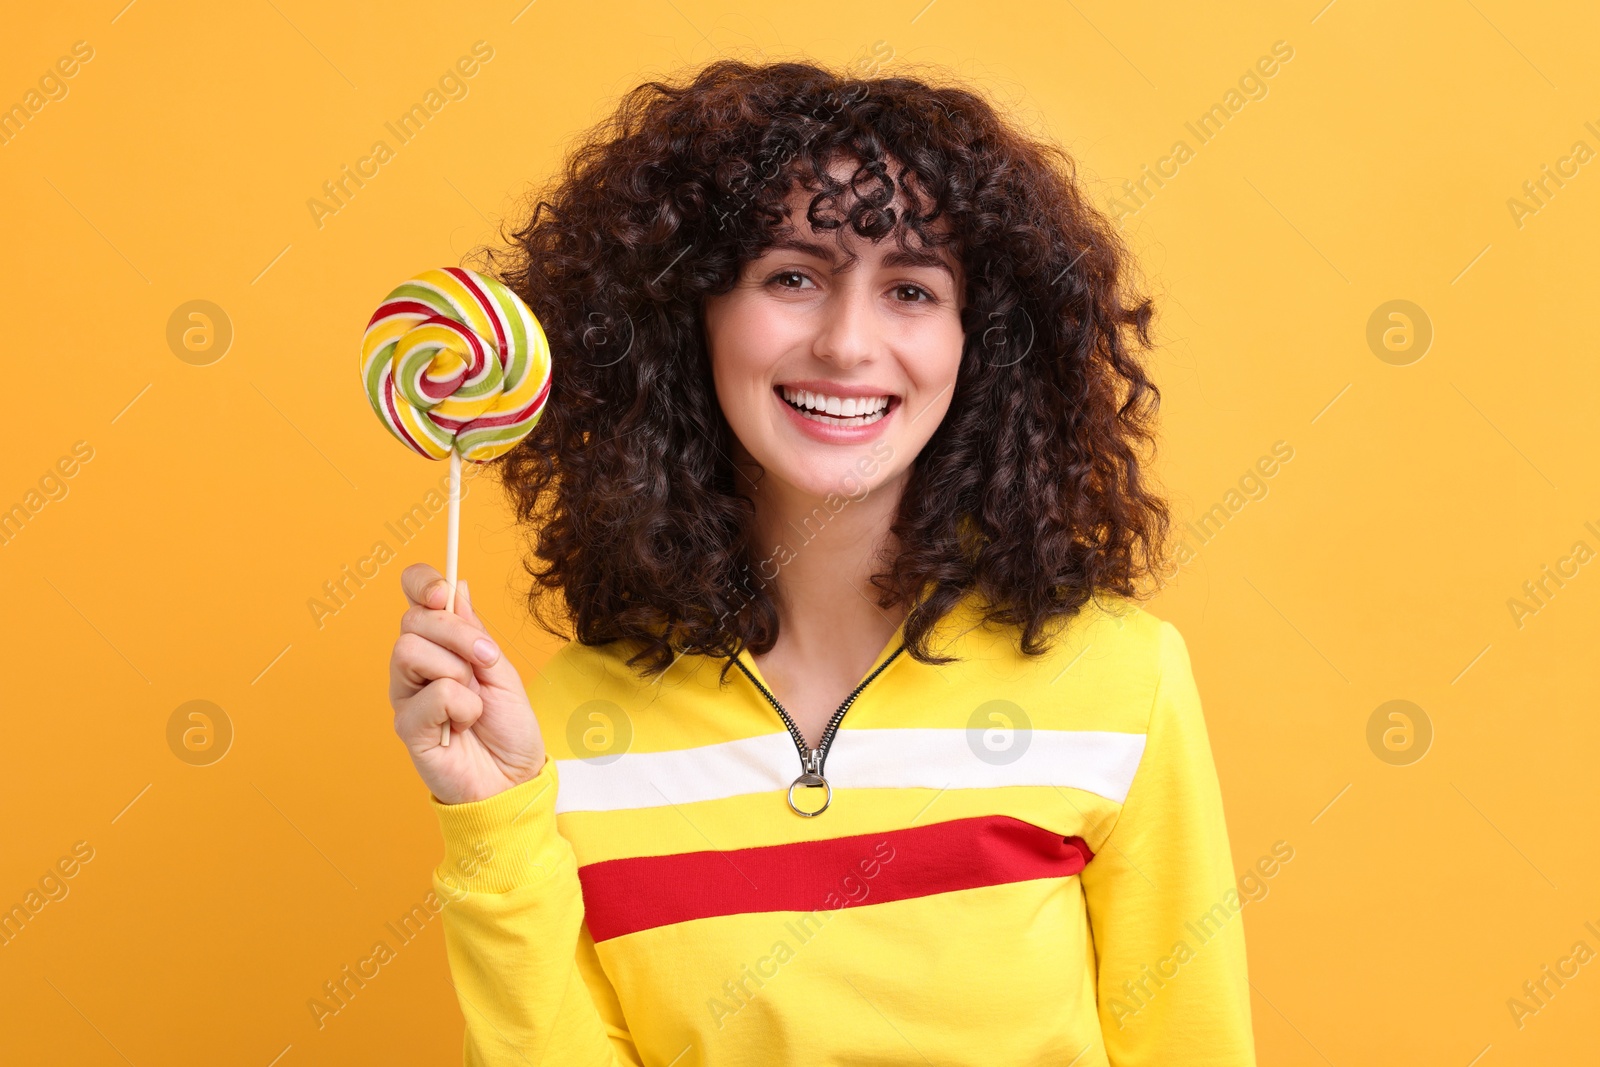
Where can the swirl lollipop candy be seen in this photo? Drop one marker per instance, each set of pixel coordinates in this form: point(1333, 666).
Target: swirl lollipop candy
point(455, 365)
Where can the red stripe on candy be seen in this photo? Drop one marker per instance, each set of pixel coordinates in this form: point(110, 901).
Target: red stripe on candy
point(625, 896)
point(489, 309)
point(398, 307)
point(510, 418)
point(439, 390)
point(394, 417)
point(489, 422)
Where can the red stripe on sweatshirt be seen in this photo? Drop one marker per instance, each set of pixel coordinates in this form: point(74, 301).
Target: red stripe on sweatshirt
point(625, 896)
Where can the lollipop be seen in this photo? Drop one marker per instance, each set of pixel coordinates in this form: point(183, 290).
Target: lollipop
point(455, 364)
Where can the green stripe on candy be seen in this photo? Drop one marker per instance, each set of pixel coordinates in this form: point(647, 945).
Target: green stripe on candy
point(495, 440)
point(491, 382)
point(427, 294)
point(409, 368)
point(516, 330)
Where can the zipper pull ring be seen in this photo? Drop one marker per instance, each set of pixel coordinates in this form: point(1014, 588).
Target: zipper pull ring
point(811, 779)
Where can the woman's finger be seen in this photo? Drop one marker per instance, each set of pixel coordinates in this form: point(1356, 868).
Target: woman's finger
point(500, 673)
point(424, 586)
point(453, 632)
point(416, 661)
point(418, 721)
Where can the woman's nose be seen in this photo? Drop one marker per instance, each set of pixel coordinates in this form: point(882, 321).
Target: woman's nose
point(847, 328)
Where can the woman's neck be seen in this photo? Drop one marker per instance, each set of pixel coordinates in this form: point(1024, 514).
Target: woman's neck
point(816, 555)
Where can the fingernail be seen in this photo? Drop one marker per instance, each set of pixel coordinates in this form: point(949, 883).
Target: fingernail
point(435, 594)
point(484, 649)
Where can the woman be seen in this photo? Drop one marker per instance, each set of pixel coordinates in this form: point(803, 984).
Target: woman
point(865, 752)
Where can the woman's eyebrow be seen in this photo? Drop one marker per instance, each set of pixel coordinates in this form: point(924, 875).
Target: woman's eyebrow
point(810, 248)
point(901, 257)
point(918, 257)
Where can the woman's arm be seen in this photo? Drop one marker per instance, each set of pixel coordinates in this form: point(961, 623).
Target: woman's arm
point(530, 994)
point(1163, 904)
point(513, 905)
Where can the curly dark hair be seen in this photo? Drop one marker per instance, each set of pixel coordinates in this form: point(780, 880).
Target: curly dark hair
point(1030, 493)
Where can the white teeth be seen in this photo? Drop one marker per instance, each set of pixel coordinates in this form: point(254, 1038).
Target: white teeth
point(844, 411)
point(837, 420)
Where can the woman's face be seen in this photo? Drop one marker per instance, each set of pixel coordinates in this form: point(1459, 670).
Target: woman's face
point(833, 374)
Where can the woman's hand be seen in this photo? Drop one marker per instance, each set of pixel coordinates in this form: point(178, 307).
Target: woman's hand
point(445, 666)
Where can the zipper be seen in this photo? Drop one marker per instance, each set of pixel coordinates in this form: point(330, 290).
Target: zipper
point(811, 759)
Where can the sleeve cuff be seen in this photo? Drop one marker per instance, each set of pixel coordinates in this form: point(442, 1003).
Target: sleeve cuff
point(501, 842)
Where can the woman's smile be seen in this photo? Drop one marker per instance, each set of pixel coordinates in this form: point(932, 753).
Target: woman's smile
point(832, 413)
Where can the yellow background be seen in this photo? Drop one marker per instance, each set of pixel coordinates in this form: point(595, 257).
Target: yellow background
point(1378, 566)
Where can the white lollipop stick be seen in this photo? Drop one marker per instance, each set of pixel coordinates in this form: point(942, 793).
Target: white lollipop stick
point(451, 552)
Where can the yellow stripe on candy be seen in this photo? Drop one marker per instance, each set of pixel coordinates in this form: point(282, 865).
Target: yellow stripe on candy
point(422, 431)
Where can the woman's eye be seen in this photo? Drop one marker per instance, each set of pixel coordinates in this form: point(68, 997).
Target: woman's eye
point(785, 274)
point(919, 294)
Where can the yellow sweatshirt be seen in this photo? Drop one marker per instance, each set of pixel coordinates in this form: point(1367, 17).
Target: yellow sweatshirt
point(1022, 861)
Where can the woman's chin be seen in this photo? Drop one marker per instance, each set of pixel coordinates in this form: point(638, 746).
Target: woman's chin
point(841, 480)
